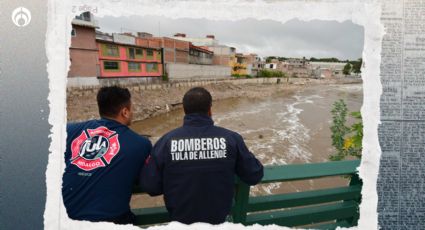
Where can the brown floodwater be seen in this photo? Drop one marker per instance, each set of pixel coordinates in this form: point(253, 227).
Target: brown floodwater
point(289, 127)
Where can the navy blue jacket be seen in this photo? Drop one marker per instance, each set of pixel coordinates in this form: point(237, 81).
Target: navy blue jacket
point(194, 166)
point(103, 161)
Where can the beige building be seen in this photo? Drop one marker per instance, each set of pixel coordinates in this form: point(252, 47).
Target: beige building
point(327, 69)
point(252, 64)
point(208, 40)
point(295, 67)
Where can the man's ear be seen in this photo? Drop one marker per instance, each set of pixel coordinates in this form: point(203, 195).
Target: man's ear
point(125, 112)
point(209, 112)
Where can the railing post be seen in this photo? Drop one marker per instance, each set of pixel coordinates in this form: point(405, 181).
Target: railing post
point(241, 202)
point(355, 180)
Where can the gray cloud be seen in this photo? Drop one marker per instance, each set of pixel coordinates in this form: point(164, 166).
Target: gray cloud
point(295, 38)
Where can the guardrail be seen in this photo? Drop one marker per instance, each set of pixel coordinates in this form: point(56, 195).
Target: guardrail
point(319, 209)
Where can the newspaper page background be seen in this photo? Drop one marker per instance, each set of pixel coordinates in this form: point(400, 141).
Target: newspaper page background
point(401, 181)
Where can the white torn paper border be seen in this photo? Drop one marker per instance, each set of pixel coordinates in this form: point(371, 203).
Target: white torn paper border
point(58, 39)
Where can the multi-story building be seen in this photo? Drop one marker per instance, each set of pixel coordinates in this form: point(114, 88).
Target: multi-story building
point(270, 66)
point(209, 40)
point(295, 67)
point(83, 51)
point(327, 69)
point(128, 56)
point(94, 54)
point(200, 55)
point(175, 51)
point(238, 62)
point(222, 54)
point(252, 64)
point(97, 56)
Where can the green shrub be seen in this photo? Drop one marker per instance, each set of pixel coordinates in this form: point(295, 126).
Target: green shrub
point(242, 76)
point(347, 140)
point(271, 73)
point(165, 76)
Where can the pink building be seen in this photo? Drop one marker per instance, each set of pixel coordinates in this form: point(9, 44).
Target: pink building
point(96, 54)
point(128, 60)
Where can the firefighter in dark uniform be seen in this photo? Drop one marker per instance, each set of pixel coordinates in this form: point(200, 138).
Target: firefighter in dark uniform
point(103, 160)
point(194, 166)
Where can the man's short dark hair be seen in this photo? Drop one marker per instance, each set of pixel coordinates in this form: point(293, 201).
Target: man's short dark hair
point(112, 99)
point(197, 100)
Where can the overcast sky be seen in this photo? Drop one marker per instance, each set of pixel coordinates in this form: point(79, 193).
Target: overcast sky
point(264, 37)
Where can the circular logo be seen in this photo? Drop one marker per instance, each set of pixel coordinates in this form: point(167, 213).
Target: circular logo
point(21, 16)
point(94, 148)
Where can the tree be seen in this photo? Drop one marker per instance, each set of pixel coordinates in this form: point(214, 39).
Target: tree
point(357, 65)
point(269, 59)
point(347, 69)
point(347, 140)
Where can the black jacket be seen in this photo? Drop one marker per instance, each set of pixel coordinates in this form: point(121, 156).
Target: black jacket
point(194, 166)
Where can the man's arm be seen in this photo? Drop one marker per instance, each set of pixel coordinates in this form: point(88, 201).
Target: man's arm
point(146, 149)
point(150, 179)
point(248, 168)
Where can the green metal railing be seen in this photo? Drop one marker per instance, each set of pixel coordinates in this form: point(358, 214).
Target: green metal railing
point(322, 209)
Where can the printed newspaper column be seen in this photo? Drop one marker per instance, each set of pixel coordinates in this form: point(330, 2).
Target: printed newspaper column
point(401, 181)
point(390, 107)
point(412, 179)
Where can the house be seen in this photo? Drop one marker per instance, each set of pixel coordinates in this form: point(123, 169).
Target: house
point(296, 67)
point(222, 54)
point(175, 51)
point(252, 64)
point(200, 55)
point(124, 55)
point(335, 68)
point(83, 51)
point(238, 63)
point(208, 40)
point(270, 66)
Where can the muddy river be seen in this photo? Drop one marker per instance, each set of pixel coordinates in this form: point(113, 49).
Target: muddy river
point(287, 128)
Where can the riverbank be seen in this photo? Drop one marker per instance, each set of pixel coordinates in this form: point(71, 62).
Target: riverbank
point(290, 126)
point(150, 100)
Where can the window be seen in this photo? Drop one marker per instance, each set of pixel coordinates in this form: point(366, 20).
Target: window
point(110, 50)
point(133, 53)
point(134, 67)
point(158, 55)
point(152, 67)
point(73, 32)
point(111, 65)
point(139, 53)
point(149, 54)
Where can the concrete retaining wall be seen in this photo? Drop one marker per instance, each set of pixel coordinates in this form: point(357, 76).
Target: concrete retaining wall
point(157, 98)
point(83, 82)
point(177, 71)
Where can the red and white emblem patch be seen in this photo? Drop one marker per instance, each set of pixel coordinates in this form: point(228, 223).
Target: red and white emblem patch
point(94, 148)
